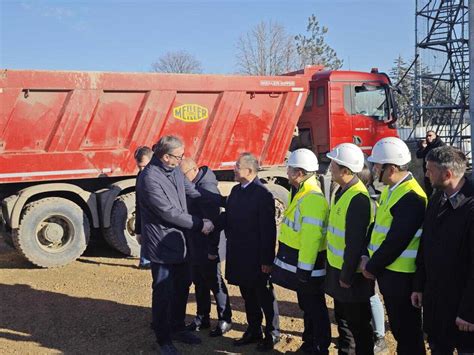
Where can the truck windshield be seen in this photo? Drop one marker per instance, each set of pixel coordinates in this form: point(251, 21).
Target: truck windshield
point(371, 101)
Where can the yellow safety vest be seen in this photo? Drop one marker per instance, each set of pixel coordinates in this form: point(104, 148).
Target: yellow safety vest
point(383, 221)
point(336, 232)
point(303, 227)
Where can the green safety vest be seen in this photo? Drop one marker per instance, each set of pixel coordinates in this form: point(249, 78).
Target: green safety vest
point(303, 227)
point(336, 232)
point(383, 221)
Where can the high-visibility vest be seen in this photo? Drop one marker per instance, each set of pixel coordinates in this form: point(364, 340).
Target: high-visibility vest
point(383, 221)
point(336, 231)
point(303, 227)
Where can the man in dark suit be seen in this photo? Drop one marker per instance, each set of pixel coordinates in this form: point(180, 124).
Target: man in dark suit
point(204, 256)
point(250, 230)
point(161, 192)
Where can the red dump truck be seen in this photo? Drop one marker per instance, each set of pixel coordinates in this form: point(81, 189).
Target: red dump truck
point(67, 140)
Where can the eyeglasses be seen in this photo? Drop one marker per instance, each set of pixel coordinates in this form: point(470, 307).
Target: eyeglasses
point(177, 157)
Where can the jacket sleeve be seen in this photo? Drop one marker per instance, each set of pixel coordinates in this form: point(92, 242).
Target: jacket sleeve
point(267, 228)
point(314, 213)
point(156, 200)
point(408, 215)
point(420, 274)
point(420, 153)
point(190, 189)
point(138, 216)
point(466, 307)
point(357, 223)
point(210, 210)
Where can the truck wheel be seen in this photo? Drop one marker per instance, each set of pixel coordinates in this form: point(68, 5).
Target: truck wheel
point(281, 200)
point(6, 234)
point(121, 233)
point(52, 232)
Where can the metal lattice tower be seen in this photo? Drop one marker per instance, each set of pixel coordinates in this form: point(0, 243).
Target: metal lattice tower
point(441, 81)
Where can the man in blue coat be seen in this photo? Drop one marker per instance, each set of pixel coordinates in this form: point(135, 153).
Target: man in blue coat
point(161, 193)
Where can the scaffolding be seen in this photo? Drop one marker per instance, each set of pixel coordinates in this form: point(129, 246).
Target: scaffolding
point(441, 78)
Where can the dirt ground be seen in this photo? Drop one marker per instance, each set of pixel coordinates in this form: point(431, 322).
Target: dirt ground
point(100, 304)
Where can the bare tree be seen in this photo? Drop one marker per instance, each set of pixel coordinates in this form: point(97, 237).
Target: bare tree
point(266, 50)
point(312, 49)
point(177, 62)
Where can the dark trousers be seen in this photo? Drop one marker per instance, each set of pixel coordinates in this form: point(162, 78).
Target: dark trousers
point(437, 349)
point(404, 319)
point(170, 294)
point(317, 329)
point(208, 277)
point(261, 297)
point(353, 323)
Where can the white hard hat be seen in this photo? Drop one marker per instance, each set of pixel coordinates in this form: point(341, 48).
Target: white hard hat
point(390, 150)
point(304, 159)
point(348, 155)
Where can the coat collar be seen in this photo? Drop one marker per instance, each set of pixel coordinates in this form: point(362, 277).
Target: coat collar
point(463, 196)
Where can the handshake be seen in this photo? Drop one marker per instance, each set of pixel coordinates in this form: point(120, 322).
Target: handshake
point(208, 226)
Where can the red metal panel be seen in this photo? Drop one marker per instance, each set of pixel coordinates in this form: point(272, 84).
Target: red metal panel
point(189, 117)
point(252, 126)
point(76, 115)
point(33, 120)
point(8, 98)
point(112, 121)
point(279, 139)
point(220, 129)
point(88, 124)
point(149, 123)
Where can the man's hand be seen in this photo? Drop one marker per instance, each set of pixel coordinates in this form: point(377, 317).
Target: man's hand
point(343, 284)
point(208, 226)
point(417, 299)
point(464, 326)
point(212, 257)
point(423, 143)
point(364, 259)
point(138, 237)
point(266, 269)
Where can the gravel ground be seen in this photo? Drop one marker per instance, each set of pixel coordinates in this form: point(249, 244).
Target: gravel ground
point(100, 304)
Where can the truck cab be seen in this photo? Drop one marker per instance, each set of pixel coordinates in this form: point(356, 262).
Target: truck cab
point(346, 106)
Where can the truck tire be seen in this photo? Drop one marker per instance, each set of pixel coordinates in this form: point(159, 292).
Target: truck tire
point(121, 233)
point(53, 232)
point(5, 233)
point(281, 200)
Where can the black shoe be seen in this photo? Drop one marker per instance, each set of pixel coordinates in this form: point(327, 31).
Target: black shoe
point(144, 266)
point(268, 343)
point(221, 328)
point(248, 338)
point(198, 323)
point(168, 349)
point(186, 337)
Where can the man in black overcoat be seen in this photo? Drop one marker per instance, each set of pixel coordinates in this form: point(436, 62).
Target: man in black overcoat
point(250, 229)
point(444, 282)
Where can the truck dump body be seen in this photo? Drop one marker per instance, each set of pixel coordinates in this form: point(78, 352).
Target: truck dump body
point(72, 125)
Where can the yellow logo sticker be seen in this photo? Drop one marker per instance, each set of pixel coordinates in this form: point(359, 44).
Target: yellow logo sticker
point(190, 113)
